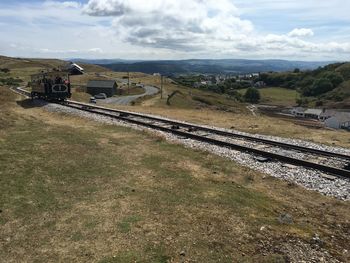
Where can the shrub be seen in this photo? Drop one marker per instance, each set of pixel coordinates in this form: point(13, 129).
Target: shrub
point(321, 86)
point(319, 103)
point(302, 101)
point(334, 77)
point(252, 95)
point(5, 70)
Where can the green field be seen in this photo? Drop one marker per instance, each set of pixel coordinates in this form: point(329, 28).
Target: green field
point(277, 96)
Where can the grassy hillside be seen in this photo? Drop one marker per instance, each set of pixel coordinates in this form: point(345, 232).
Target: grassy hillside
point(73, 190)
point(276, 96)
point(24, 67)
point(185, 99)
point(328, 85)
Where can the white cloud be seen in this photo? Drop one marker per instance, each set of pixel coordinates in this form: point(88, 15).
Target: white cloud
point(66, 4)
point(200, 27)
point(164, 29)
point(95, 50)
point(183, 24)
point(301, 32)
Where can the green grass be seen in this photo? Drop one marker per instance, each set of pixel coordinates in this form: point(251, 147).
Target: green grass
point(277, 96)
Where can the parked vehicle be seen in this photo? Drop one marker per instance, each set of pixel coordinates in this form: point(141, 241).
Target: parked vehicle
point(92, 100)
point(101, 96)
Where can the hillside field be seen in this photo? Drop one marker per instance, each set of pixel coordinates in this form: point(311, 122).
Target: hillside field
point(277, 96)
point(24, 67)
point(193, 105)
point(76, 190)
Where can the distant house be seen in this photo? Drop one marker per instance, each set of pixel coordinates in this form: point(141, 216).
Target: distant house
point(75, 69)
point(341, 120)
point(298, 112)
point(197, 84)
point(109, 87)
point(326, 114)
point(259, 84)
point(301, 112)
point(313, 113)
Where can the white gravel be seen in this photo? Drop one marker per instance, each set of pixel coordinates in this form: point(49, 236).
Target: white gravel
point(308, 178)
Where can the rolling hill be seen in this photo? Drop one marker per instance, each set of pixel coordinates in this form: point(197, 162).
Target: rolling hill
point(18, 63)
point(24, 67)
point(207, 66)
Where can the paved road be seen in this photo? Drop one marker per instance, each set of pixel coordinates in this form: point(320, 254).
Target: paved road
point(125, 100)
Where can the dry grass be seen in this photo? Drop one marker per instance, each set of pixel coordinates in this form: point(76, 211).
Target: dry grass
point(75, 191)
point(248, 123)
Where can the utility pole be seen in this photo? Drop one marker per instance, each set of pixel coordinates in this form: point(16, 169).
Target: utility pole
point(161, 87)
point(128, 82)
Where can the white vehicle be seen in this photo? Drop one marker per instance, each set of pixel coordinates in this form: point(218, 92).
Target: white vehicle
point(92, 100)
point(101, 96)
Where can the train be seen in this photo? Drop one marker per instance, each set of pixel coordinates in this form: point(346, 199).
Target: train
point(51, 86)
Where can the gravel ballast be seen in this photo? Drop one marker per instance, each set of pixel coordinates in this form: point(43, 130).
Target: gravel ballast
point(308, 178)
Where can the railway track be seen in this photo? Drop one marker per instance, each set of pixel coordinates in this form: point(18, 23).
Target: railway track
point(260, 147)
point(321, 160)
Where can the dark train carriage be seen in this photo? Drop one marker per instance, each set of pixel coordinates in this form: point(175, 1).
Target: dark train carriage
point(51, 85)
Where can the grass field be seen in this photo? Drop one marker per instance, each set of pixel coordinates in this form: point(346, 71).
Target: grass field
point(277, 96)
point(72, 190)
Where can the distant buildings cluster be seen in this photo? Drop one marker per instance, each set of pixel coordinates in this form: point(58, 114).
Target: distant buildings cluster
point(209, 80)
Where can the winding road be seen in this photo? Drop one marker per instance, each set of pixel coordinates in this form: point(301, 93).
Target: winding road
point(125, 100)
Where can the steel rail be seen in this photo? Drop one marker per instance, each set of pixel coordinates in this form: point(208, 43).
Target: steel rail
point(223, 133)
point(283, 158)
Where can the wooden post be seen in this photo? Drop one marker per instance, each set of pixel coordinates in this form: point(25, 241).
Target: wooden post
point(161, 87)
point(128, 82)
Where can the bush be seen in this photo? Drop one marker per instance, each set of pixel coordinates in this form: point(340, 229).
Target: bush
point(5, 70)
point(302, 101)
point(252, 95)
point(319, 103)
point(334, 77)
point(10, 81)
point(321, 86)
point(233, 94)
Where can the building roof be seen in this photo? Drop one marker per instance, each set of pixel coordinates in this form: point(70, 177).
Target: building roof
point(74, 65)
point(327, 113)
point(313, 111)
point(342, 117)
point(299, 109)
point(101, 84)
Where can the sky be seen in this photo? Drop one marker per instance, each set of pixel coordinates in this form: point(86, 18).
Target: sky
point(309, 30)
